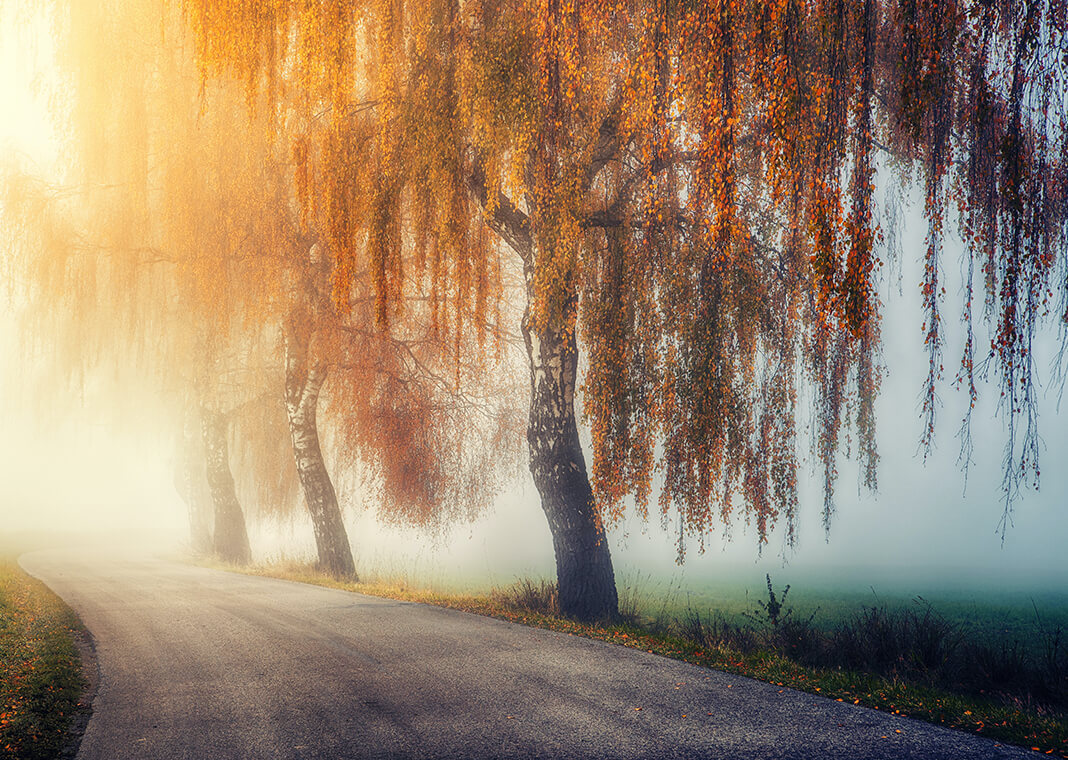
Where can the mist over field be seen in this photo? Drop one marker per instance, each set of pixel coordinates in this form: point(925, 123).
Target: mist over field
point(468, 378)
point(76, 470)
point(83, 456)
point(105, 477)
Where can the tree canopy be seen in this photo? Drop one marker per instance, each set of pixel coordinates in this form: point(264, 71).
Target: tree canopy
point(687, 192)
point(701, 178)
point(183, 249)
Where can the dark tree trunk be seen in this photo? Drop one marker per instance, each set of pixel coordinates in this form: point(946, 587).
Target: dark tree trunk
point(304, 381)
point(189, 481)
point(585, 581)
point(230, 538)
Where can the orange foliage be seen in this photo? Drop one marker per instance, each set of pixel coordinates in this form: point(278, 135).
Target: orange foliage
point(689, 185)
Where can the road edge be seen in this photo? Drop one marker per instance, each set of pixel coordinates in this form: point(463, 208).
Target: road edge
point(86, 645)
point(90, 670)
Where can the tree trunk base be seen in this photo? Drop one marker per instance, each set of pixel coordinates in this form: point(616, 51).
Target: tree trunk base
point(585, 581)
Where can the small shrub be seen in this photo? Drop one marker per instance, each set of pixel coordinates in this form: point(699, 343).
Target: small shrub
point(774, 609)
point(795, 637)
point(664, 619)
point(529, 595)
point(632, 598)
point(997, 667)
point(693, 627)
point(928, 640)
point(869, 640)
point(1052, 668)
point(716, 632)
point(799, 638)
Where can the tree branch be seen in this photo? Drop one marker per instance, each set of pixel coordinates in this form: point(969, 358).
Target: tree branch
point(511, 224)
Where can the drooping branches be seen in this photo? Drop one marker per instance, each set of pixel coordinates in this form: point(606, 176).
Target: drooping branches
point(390, 277)
point(694, 186)
point(689, 191)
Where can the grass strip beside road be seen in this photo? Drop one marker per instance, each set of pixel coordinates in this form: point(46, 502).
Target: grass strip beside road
point(41, 679)
point(1027, 725)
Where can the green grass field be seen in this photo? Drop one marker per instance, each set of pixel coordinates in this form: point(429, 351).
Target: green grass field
point(1022, 612)
point(1020, 615)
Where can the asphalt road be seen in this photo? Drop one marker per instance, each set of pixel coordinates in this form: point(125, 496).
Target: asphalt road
point(197, 663)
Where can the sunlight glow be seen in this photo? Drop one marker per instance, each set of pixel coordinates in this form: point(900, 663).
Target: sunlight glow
point(79, 475)
point(27, 78)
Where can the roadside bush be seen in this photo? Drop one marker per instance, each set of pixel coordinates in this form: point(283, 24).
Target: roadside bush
point(916, 644)
point(998, 666)
point(869, 640)
point(929, 641)
point(1006, 668)
point(715, 632)
point(775, 627)
point(917, 641)
point(801, 640)
point(537, 596)
point(632, 598)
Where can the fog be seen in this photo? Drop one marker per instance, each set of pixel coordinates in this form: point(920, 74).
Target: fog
point(91, 462)
point(106, 478)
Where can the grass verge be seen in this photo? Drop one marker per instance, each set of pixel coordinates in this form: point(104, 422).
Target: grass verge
point(41, 680)
point(762, 651)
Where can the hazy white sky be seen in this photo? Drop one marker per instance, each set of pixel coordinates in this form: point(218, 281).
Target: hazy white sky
point(88, 471)
point(78, 473)
point(26, 64)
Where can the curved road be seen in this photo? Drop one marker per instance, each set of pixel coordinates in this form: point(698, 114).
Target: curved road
point(197, 663)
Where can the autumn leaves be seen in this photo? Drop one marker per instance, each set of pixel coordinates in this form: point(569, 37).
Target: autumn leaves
point(686, 191)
